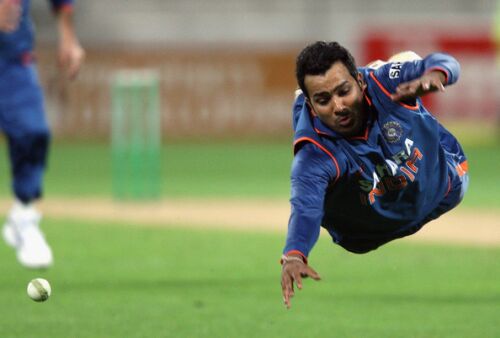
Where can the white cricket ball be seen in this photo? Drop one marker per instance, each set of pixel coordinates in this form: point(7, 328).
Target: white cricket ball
point(39, 290)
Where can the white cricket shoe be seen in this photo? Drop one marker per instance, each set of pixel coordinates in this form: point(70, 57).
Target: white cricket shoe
point(22, 232)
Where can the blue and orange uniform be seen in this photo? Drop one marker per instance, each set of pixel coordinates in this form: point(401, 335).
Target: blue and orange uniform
point(22, 114)
point(404, 171)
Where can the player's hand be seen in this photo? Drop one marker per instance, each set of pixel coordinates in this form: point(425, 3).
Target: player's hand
point(428, 83)
point(292, 273)
point(71, 56)
point(10, 14)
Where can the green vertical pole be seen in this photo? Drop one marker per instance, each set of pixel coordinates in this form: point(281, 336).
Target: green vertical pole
point(136, 178)
point(153, 129)
point(118, 141)
point(136, 136)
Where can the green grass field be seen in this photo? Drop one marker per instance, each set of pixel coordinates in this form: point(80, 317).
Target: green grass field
point(114, 280)
point(120, 280)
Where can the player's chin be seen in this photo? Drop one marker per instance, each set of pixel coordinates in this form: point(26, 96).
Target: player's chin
point(348, 130)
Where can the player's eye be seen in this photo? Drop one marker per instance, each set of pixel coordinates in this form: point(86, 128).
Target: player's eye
point(344, 91)
point(322, 101)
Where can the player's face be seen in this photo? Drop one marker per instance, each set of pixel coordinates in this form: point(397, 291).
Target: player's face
point(337, 99)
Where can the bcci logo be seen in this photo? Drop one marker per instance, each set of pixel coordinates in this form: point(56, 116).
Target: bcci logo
point(392, 131)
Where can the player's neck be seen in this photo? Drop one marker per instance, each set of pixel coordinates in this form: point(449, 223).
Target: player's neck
point(367, 115)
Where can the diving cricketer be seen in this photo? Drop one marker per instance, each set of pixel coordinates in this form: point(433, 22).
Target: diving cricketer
point(371, 163)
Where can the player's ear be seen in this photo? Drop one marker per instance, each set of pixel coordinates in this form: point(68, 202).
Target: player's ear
point(361, 81)
point(310, 106)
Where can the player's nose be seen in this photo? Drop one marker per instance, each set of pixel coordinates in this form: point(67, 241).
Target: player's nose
point(338, 106)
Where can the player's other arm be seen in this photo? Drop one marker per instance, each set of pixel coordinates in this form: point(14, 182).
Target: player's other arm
point(311, 173)
point(420, 77)
point(71, 53)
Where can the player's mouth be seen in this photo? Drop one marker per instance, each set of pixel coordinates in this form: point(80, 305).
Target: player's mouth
point(344, 121)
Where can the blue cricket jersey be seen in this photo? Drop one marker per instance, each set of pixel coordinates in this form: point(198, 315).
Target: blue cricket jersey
point(16, 44)
point(383, 185)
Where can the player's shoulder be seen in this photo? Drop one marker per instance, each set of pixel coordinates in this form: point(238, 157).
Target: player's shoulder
point(309, 153)
point(308, 149)
point(310, 156)
point(310, 161)
point(378, 76)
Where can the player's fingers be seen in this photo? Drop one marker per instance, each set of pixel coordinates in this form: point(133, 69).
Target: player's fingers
point(396, 97)
point(75, 63)
point(63, 59)
point(313, 274)
point(407, 89)
point(77, 58)
point(287, 303)
point(67, 64)
point(289, 289)
point(298, 280)
point(287, 286)
point(288, 293)
point(286, 300)
point(72, 69)
point(426, 86)
point(285, 291)
point(403, 88)
point(416, 87)
point(402, 91)
point(438, 85)
point(285, 281)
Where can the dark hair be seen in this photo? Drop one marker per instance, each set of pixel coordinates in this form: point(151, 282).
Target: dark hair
point(318, 57)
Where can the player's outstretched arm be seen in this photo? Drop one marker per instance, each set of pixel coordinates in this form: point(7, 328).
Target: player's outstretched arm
point(293, 270)
point(427, 83)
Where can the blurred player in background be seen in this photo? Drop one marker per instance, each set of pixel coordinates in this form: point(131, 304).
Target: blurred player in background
point(22, 119)
point(371, 163)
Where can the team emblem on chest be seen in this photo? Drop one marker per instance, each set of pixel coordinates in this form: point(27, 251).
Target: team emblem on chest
point(392, 131)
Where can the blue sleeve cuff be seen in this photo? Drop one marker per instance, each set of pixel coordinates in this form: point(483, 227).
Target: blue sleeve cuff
point(444, 63)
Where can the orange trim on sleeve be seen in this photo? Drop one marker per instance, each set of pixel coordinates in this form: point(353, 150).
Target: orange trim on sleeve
point(386, 92)
point(462, 168)
point(302, 139)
